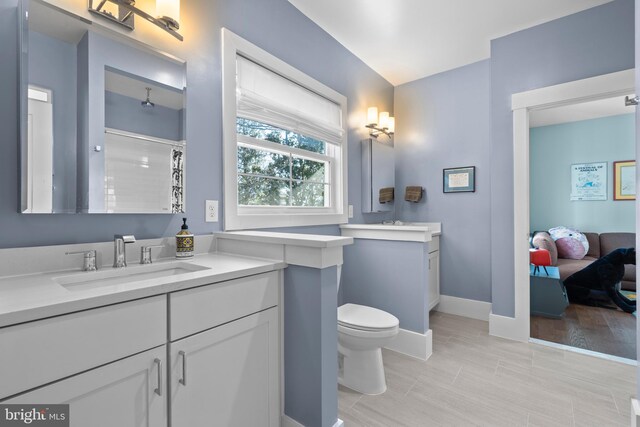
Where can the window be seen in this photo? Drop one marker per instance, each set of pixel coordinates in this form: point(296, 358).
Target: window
point(284, 143)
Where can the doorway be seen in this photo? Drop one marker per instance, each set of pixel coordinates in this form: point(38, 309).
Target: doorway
point(582, 192)
point(605, 86)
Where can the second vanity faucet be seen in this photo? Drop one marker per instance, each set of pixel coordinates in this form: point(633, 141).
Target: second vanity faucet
point(120, 249)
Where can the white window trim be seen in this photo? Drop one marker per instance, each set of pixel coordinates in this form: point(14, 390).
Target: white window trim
point(246, 217)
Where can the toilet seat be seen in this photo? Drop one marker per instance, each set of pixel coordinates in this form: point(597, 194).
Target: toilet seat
point(366, 319)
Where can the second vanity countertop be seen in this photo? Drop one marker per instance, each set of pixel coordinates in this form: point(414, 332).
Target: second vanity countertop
point(30, 297)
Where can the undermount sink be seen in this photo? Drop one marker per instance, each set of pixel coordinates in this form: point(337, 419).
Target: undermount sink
point(98, 279)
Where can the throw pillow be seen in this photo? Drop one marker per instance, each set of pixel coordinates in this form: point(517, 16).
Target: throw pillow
point(543, 240)
point(571, 243)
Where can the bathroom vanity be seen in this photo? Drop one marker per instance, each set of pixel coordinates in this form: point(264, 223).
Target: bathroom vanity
point(175, 342)
point(200, 337)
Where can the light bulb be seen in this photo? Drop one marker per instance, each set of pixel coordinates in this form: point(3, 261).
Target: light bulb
point(392, 124)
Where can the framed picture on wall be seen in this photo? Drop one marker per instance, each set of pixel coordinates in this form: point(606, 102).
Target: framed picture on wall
point(459, 180)
point(624, 180)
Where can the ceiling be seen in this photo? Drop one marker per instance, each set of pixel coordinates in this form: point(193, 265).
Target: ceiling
point(405, 40)
point(136, 88)
point(583, 111)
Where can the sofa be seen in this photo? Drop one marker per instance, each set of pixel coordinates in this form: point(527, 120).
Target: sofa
point(600, 245)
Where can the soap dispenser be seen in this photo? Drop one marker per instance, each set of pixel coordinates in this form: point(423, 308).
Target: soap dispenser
point(184, 241)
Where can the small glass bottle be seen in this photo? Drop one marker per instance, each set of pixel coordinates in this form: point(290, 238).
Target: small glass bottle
point(184, 241)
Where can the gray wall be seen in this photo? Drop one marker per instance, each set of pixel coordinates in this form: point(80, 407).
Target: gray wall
point(443, 122)
point(53, 67)
point(274, 25)
point(391, 276)
point(126, 113)
point(590, 43)
point(553, 149)
point(311, 345)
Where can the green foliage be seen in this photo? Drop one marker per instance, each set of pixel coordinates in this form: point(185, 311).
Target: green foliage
point(272, 179)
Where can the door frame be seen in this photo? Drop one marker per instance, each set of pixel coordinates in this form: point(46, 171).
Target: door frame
point(605, 86)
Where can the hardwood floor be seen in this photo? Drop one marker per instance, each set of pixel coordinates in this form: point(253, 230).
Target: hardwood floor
point(473, 379)
point(590, 328)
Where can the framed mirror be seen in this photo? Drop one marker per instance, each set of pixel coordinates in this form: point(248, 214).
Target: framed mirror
point(103, 120)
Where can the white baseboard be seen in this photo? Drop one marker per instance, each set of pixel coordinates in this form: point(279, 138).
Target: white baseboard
point(635, 413)
point(507, 327)
point(473, 309)
point(413, 344)
point(290, 422)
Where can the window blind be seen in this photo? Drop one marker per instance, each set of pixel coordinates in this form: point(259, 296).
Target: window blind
point(267, 97)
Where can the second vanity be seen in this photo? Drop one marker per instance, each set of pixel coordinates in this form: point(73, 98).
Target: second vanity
point(134, 349)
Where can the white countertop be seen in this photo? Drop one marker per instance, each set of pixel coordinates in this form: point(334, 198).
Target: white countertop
point(400, 231)
point(35, 296)
point(309, 240)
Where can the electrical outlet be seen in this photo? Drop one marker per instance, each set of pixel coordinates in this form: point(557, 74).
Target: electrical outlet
point(211, 211)
point(350, 211)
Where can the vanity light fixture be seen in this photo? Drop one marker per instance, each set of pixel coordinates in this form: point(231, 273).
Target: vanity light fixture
point(167, 11)
point(380, 123)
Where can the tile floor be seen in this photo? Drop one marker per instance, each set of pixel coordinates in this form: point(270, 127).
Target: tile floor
point(475, 379)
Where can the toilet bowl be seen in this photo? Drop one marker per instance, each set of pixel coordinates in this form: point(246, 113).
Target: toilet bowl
point(362, 332)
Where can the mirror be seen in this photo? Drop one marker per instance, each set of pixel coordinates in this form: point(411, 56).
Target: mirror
point(378, 176)
point(104, 123)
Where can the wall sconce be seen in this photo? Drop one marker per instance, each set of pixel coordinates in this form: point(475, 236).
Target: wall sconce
point(380, 124)
point(123, 11)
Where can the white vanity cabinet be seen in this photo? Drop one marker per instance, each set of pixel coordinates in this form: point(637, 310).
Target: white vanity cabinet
point(433, 265)
point(208, 355)
point(128, 393)
point(225, 353)
point(228, 376)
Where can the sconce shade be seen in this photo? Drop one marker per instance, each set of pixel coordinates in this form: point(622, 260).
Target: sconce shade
point(372, 116)
point(391, 124)
point(384, 120)
point(168, 9)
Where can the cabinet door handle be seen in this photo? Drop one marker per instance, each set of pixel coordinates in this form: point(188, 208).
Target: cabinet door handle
point(429, 263)
point(158, 390)
point(183, 380)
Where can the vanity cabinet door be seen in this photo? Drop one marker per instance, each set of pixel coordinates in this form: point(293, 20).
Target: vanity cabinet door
point(127, 393)
point(228, 375)
point(433, 260)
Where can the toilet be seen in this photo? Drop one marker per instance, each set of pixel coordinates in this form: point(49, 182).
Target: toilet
point(362, 332)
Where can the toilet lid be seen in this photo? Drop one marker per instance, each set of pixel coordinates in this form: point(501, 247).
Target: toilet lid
point(363, 317)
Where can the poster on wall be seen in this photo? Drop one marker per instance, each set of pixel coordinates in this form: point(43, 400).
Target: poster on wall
point(589, 181)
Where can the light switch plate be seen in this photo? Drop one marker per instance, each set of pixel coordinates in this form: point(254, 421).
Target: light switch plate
point(211, 211)
point(350, 211)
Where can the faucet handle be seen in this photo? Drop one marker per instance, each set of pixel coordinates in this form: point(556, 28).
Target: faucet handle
point(128, 238)
point(145, 253)
point(89, 259)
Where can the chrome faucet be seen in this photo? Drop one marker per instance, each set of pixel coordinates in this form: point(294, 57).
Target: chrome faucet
point(120, 249)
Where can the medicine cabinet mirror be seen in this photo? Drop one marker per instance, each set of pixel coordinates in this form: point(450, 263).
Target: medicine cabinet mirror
point(378, 175)
point(102, 119)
